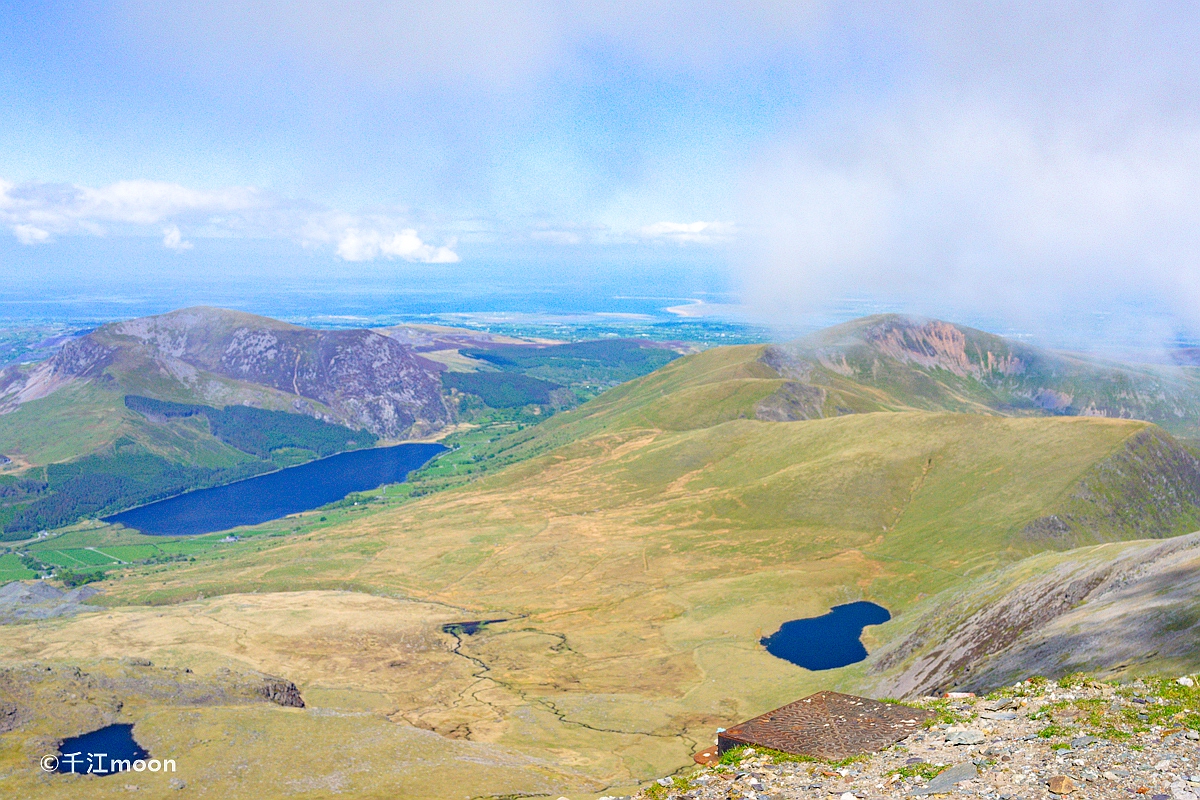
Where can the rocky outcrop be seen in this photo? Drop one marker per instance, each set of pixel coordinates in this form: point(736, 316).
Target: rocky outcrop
point(101, 692)
point(894, 363)
point(1086, 739)
point(84, 357)
point(281, 692)
point(792, 401)
point(78, 359)
point(368, 380)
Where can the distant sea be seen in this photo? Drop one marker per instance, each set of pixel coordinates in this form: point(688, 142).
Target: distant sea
point(671, 293)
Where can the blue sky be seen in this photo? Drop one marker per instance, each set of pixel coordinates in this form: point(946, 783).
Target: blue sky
point(1009, 159)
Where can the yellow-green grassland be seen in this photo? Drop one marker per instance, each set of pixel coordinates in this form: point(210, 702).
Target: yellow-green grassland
point(633, 554)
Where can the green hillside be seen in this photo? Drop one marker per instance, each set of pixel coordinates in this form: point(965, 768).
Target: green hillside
point(632, 552)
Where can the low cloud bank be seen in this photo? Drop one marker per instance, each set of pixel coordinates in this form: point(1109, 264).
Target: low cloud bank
point(1026, 165)
point(37, 213)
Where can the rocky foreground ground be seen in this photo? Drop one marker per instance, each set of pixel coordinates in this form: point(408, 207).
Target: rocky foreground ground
point(1077, 738)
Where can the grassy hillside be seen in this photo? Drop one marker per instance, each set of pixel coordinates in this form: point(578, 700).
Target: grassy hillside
point(631, 553)
point(638, 547)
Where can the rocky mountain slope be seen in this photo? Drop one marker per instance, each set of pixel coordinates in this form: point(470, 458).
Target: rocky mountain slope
point(892, 362)
point(1115, 609)
point(354, 377)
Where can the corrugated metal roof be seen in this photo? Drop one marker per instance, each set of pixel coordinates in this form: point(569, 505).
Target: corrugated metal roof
point(827, 725)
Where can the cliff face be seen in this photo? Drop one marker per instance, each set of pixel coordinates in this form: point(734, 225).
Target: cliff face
point(360, 378)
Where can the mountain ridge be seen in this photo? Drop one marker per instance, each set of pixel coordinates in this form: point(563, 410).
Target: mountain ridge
point(894, 362)
point(355, 377)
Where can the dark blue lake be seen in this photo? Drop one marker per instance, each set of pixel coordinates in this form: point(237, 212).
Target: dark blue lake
point(277, 494)
point(828, 641)
point(104, 752)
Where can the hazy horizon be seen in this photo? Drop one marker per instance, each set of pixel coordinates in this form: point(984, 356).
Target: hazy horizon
point(1025, 170)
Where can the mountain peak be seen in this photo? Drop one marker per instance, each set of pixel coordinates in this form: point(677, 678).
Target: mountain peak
point(927, 343)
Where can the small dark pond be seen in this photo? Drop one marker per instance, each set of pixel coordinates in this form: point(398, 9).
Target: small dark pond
point(277, 494)
point(829, 641)
point(104, 752)
point(468, 628)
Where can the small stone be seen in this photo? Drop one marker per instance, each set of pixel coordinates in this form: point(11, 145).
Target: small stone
point(946, 780)
point(1061, 784)
point(964, 736)
point(1181, 791)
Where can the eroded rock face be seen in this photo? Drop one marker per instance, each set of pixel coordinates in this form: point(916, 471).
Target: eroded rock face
point(78, 359)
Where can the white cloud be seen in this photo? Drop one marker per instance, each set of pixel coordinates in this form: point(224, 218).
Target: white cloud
point(367, 245)
point(1022, 162)
point(173, 239)
point(150, 202)
point(967, 206)
point(28, 234)
point(700, 232)
point(37, 212)
point(72, 209)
